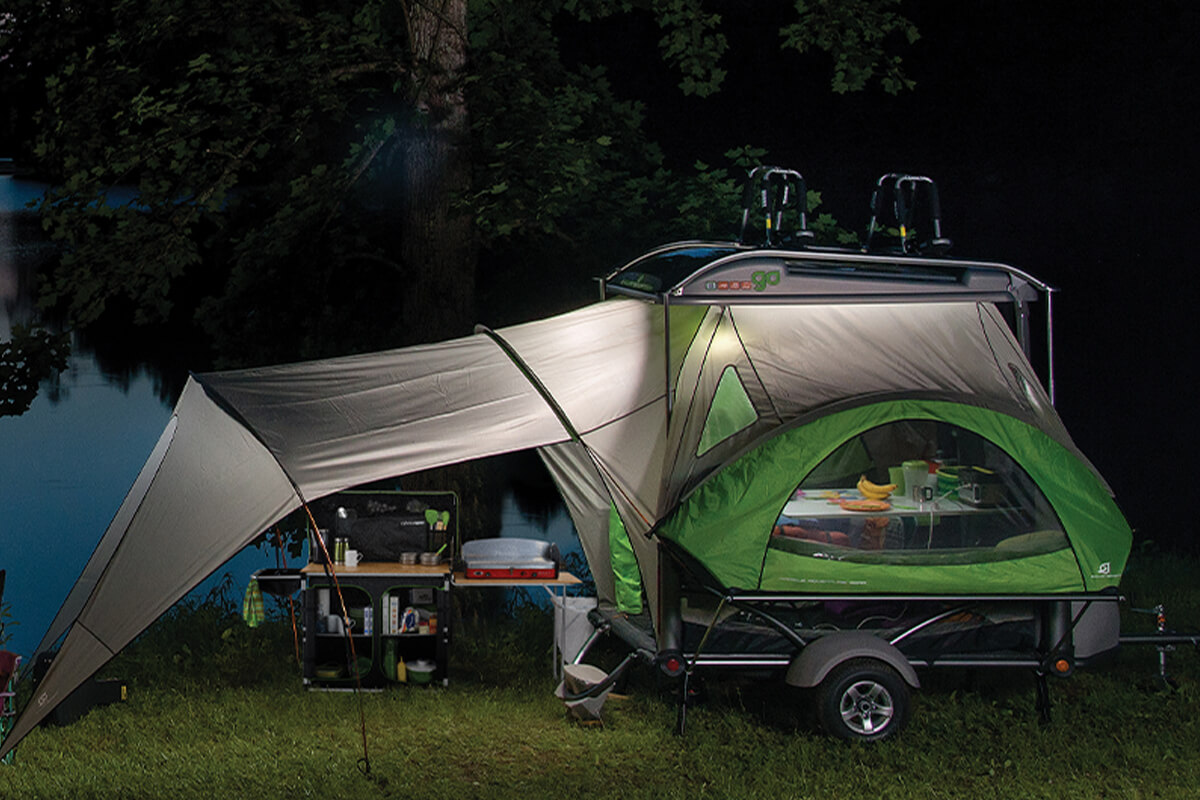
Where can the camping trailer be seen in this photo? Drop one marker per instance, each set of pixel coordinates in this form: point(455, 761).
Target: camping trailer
point(836, 465)
point(865, 474)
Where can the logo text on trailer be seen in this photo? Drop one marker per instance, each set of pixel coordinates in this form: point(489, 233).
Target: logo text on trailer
point(759, 281)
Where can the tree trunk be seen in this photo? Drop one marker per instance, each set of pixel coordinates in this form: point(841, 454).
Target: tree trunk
point(438, 247)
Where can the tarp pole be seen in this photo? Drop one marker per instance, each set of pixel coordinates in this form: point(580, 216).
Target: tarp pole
point(1050, 343)
point(327, 564)
point(667, 352)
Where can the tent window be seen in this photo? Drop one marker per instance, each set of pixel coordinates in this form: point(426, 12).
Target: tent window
point(958, 499)
point(730, 412)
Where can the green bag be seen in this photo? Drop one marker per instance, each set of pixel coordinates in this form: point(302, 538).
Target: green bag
point(252, 605)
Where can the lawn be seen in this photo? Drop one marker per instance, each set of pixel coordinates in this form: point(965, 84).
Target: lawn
point(222, 713)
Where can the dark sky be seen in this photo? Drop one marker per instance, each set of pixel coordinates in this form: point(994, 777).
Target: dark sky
point(1060, 135)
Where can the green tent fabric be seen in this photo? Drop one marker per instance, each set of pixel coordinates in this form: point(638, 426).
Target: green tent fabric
point(731, 411)
point(627, 578)
point(726, 523)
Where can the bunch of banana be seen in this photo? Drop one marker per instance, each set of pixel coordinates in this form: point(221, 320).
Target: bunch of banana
point(874, 491)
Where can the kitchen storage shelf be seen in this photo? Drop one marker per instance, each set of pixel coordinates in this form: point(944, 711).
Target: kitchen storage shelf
point(382, 591)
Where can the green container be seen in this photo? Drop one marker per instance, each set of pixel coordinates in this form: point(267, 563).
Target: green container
point(389, 660)
point(421, 672)
point(948, 479)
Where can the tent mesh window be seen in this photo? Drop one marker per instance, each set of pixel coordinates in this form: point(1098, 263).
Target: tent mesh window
point(731, 411)
point(957, 499)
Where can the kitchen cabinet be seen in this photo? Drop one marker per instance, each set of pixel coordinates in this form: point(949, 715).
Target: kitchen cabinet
point(377, 596)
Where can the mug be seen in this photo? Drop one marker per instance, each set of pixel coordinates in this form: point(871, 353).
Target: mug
point(333, 624)
point(353, 557)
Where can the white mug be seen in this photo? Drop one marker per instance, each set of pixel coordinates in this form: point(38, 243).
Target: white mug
point(333, 624)
point(353, 557)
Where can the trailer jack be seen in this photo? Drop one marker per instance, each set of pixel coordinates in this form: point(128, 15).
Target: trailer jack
point(1163, 639)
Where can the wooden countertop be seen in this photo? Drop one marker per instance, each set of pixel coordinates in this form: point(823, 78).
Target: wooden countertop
point(385, 568)
point(393, 568)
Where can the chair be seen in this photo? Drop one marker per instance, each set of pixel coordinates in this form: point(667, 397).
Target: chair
point(9, 665)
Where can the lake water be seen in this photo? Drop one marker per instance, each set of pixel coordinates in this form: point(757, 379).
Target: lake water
point(67, 463)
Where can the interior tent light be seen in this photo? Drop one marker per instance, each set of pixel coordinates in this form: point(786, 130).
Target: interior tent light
point(726, 347)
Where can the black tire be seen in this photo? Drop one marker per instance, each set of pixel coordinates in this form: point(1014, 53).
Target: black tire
point(862, 700)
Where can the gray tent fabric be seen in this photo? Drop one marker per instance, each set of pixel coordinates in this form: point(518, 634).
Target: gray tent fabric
point(83, 587)
point(586, 498)
point(181, 529)
point(249, 446)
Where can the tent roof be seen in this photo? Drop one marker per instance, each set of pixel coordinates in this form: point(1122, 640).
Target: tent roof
point(724, 272)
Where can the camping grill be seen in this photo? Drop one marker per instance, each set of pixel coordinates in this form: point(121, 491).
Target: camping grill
point(510, 558)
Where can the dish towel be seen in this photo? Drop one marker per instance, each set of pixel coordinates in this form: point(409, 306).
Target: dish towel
point(252, 604)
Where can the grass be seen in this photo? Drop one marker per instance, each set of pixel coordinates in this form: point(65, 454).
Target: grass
point(227, 717)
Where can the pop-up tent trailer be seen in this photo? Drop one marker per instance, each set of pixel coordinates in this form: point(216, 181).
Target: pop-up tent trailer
point(708, 424)
point(863, 472)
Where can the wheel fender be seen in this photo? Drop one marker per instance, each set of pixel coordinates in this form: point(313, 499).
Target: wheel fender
point(816, 660)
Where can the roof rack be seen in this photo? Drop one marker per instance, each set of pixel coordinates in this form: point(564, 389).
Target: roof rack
point(910, 203)
point(788, 269)
point(769, 193)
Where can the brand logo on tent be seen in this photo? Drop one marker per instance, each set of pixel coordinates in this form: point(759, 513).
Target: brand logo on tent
point(763, 278)
point(759, 281)
point(1105, 568)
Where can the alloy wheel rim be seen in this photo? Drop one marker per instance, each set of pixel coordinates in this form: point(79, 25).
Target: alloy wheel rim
point(867, 707)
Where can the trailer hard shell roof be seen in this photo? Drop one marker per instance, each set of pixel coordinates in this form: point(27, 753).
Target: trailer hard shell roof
point(721, 272)
point(735, 273)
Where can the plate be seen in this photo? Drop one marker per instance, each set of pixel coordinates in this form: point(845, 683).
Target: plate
point(865, 505)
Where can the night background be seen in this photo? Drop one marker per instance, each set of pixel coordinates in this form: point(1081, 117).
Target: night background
point(228, 184)
point(1060, 136)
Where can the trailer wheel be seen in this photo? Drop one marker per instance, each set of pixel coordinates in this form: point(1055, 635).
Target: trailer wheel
point(862, 699)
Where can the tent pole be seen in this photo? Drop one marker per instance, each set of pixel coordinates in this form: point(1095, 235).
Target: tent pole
point(1050, 343)
point(327, 563)
point(533, 379)
point(667, 353)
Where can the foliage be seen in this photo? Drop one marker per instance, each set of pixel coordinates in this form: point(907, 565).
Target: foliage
point(855, 32)
point(237, 132)
point(249, 168)
point(558, 154)
point(203, 642)
point(31, 356)
point(6, 622)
